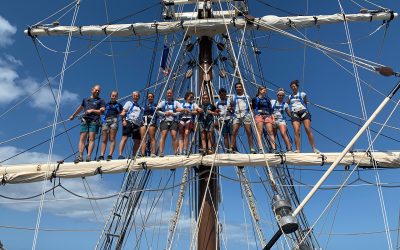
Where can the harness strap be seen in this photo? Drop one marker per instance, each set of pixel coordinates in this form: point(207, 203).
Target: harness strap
point(235, 97)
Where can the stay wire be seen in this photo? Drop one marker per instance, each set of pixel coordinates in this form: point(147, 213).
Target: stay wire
point(133, 14)
point(52, 93)
point(56, 112)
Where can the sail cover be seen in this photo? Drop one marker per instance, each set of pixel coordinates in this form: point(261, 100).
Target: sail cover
point(39, 172)
point(208, 27)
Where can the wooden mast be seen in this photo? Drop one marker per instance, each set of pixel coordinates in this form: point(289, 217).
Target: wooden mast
point(208, 228)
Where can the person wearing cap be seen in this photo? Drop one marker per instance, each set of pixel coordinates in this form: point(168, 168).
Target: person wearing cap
point(279, 107)
point(300, 114)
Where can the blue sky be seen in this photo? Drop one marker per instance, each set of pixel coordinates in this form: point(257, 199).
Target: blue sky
point(70, 222)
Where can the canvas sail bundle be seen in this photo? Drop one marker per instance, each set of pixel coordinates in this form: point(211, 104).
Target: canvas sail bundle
point(39, 172)
point(208, 27)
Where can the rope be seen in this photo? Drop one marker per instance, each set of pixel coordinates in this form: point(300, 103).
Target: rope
point(364, 112)
point(54, 130)
point(350, 174)
point(111, 49)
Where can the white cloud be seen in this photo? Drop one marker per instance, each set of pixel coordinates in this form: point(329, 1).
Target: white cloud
point(10, 91)
point(6, 31)
point(27, 157)
point(43, 98)
point(13, 87)
point(63, 204)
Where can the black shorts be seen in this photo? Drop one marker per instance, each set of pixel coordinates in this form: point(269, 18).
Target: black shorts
point(132, 130)
point(301, 115)
point(169, 125)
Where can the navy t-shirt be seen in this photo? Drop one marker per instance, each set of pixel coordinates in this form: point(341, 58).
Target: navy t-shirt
point(92, 103)
point(204, 117)
point(113, 110)
point(262, 105)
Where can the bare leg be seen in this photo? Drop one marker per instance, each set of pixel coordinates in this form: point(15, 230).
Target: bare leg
point(121, 147)
point(92, 137)
point(307, 127)
point(174, 141)
point(181, 129)
point(210, 141)
point(296, 128)
point(235, 129)
point(142, 135)
point(204, 140)
point(283, 130)
point(164, 134)
point(82, 142)
point(247, 127)
point(152, 135)
point(270, 131)
point(135, 146)
point(104, 140)
point(259, 127)
point(113, 134)
point(186, 140)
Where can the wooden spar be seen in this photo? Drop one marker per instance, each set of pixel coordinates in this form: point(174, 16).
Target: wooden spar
point(207, 183)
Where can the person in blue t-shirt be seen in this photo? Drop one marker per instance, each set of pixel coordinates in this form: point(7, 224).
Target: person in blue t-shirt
point(110, 125)
point(206, 124)
point(93, 107)
point(150, 119)
point(225, 117)
point(131, 123)
point(262, 109)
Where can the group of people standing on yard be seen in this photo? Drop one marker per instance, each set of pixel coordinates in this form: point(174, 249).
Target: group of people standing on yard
point(141, 122)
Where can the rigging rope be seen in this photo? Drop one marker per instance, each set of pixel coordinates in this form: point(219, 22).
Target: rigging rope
point(350, 174)
point(54, 128)
point(364, 112)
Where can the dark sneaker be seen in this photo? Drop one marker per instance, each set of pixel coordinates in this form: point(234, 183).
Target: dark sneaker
point(100, 158)
point(121, 157)
point(78, 159)
point(109, 157)
point(88, 158)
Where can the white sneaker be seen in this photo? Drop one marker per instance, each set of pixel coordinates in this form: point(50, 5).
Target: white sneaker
point(316, 151)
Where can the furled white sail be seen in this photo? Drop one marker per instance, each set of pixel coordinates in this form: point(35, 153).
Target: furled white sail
point(38, 172)
point(208, 27)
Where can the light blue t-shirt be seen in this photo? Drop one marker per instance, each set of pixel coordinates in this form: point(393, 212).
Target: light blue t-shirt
point(278, 109)
point(134, 113)
point(297, 101)
point(164, 106)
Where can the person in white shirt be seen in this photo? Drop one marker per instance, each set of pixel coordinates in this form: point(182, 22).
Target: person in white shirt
point(168, 111)
point(279, 107)
point(225, 117)
point(239, 105)
point(300, 114)
point(131, 122)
